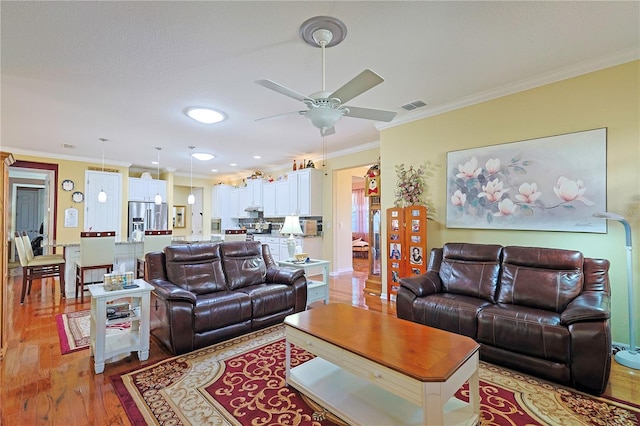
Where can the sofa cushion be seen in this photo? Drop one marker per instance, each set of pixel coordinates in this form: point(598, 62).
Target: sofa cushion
point(243, 263)
point(534, 332)
point(454, 313)
point(540, 278)
point(471, 269)
point(220, 309)
point(267, 299)
point(195, 267)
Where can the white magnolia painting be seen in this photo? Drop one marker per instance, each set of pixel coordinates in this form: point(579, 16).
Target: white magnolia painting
point(554, 183)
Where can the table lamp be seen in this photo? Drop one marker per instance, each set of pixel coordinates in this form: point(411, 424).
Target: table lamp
point(291, 226)
point(629, 358)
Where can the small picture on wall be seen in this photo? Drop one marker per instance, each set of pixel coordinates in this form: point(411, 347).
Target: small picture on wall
point(395, 237)
point(395, 225)
point(394, 276)
point(416, 271)
point(416, 255)
point(415, 225)
point(415, 213)
point(395, 265)
point(395, 251)
point(394, 213)
point(415, 238)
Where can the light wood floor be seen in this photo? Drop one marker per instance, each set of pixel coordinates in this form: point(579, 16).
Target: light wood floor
point(39, 386)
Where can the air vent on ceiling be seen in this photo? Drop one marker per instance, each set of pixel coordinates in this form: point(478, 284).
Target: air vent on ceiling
point(413, 105)
point(68, 146)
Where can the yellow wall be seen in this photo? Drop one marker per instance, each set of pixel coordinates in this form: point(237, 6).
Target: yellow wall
point(74, 170)
point(608, 98)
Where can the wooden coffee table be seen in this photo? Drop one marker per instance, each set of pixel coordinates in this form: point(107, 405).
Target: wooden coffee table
point(375, 369)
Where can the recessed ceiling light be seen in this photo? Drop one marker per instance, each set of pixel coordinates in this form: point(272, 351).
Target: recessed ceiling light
point(214, 170)
point(233, 164)
point(257, 157)
point(205, 115)
point(154, 162)
point(202, 156)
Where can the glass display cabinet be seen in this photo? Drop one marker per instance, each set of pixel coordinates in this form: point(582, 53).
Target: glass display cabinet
point(373, 283)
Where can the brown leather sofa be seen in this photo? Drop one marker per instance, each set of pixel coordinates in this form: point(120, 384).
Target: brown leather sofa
point(537, 310)
point(207, 292)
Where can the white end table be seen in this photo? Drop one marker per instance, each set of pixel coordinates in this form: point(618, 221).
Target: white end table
point(316, 290)
point(105, 346)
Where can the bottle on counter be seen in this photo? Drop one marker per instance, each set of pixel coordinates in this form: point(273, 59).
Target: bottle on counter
point(295, 166)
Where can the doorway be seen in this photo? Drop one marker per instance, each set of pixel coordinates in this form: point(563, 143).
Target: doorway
point(33, 192)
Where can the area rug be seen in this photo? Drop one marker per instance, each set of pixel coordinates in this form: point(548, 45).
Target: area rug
point(241, 382)
point(74, 330)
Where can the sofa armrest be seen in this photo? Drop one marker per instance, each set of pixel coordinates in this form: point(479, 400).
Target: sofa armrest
point(588, 306)
point(423, 285)
point(167, 290)
point(283, 275)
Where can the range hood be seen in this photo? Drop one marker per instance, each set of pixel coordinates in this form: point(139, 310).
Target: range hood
point(253, 209)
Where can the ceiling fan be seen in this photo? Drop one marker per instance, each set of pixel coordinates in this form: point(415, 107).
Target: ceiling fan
point(325, 108)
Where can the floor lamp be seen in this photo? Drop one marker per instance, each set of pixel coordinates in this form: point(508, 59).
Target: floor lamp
point(629, 358)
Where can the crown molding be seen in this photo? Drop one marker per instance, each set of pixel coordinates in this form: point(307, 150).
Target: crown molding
point(65, 157)
point(571, 71)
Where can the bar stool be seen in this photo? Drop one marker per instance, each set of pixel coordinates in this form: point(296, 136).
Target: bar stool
point(37, 268)
point(29, 249)
point(153, 241)
point(96, 252)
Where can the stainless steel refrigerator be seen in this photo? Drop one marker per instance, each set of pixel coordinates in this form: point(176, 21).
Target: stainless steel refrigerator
point(145, 216)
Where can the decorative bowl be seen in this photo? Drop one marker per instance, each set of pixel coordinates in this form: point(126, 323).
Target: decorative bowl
point(301, 257)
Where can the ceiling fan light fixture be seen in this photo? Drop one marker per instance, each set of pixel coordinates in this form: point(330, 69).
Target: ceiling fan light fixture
point(323, 117)
point(205, 115)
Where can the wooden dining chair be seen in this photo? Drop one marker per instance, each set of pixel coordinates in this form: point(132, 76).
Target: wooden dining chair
point(38, 268)
point(29, 249)
point(153, 241)
point(96, 252)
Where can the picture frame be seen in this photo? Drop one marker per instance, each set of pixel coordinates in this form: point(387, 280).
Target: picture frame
point(179, 213)
point(554, 183)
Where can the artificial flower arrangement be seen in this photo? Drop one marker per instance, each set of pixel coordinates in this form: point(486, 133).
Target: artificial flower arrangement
point(412, 187)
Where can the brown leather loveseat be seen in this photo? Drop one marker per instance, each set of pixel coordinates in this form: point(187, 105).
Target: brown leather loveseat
point(207, 292)
point(541, 311)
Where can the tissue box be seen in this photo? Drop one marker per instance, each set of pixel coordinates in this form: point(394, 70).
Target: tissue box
point(116, 280)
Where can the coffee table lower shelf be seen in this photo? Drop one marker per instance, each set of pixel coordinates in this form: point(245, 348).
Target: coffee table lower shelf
point(361, 402)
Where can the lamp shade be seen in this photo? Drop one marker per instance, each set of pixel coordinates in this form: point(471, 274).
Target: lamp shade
point(158, 199)
point(102, 197)
point(291, 226)
point(191, 199)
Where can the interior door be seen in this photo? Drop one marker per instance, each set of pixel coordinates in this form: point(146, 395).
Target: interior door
point(103, 216)
point(196, 215)
point(27, 211)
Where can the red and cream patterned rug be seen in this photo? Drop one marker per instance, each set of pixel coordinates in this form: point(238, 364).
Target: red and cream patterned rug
point(241, 382)
point(74, 330)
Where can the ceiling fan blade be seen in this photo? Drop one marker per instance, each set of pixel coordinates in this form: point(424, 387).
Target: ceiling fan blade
point(280, 115)
point(283, 90)
point(369, 114)
point(357, 86)
point(328, 132)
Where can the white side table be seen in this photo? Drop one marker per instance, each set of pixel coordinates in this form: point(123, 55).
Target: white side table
point(316, 290)
point(105, 346)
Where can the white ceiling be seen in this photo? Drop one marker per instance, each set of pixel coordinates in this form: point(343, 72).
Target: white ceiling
point(73, 72)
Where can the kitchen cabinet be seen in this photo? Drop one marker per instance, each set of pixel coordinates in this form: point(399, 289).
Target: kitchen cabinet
point(282, 199)
point(221, 205)
point(305, 192)
point(146, 189)
point(254, 193)
point(269, 199)
point(238, 202)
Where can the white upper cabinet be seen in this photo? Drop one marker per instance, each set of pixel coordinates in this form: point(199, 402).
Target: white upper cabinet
point(305, 192)
point(239, 201)
point(269, 199)
point(146, 189)
point(282, 199)
point(254, 193)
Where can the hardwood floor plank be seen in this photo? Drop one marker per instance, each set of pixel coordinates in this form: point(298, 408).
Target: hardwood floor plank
point(39, 385)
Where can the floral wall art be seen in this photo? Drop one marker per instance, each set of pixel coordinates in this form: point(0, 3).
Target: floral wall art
point(554, 183)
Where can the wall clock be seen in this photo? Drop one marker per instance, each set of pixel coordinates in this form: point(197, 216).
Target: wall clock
point(68, 185)
point(77, 197)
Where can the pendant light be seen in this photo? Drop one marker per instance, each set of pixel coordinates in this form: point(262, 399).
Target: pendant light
point(102, 196)
point(191, 199)
point(158, 197)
